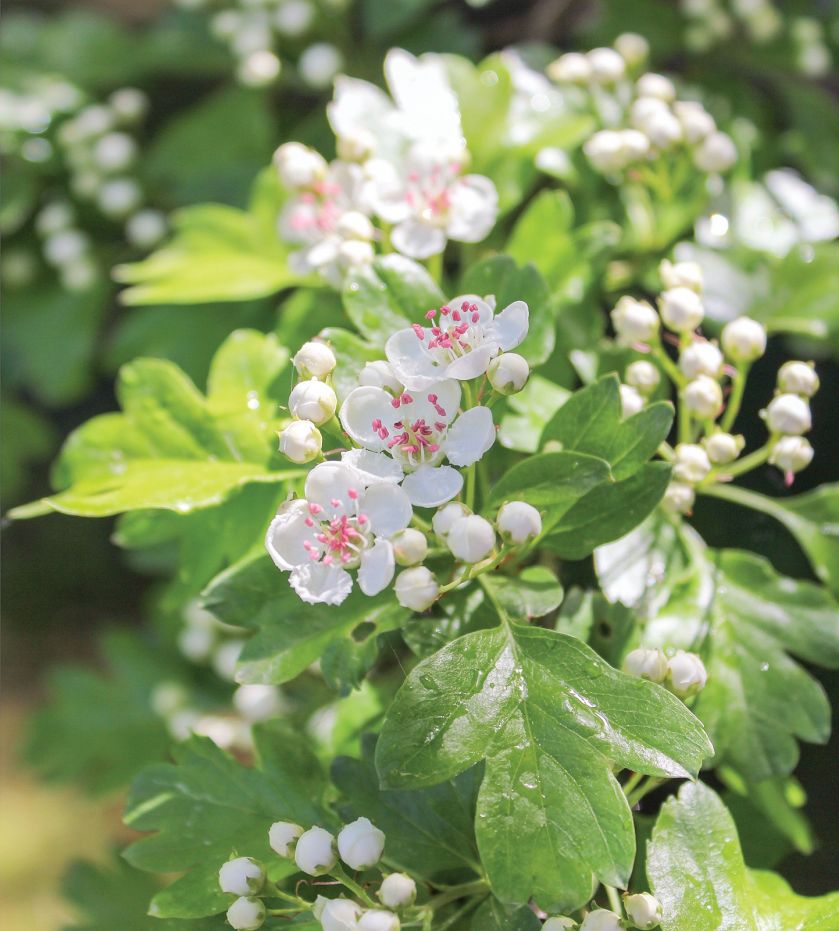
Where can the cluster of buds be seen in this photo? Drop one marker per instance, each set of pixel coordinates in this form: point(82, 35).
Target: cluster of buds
point(788, 417)
point(643, 911)
point(710, 22)
point(312, 402)
point(681, 672)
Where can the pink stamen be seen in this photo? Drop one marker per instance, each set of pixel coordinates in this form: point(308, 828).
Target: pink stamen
point(430, 314)
point(418, 331)
point(353, 494)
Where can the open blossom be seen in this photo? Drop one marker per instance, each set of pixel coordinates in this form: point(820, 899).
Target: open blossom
point(465, 335)
point(339, 525)
point(412, 433)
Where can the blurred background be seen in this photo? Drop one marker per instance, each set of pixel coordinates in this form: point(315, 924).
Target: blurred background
point(199, 93)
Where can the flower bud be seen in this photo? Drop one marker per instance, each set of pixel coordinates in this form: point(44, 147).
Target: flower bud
point(301, 441)
point(634, 321)
point(643, 376)
point(314, 360)
point(65, 247)
point(601, 919)
point(119, 197)
point(355, 225)
point(701, 358)
point(298, 165)
point(791, 454)
point(313, 400)
point(471, 538)
point(259, 68)
point(681, 309)
point(315, 852)
point(631, 400)
point(696, 121)
point(691, 464)
point(678, 498)
point(655, 85)
point(743, 340)
point(632, 48)
point(129, 104)
point(559, 923)
point(703, 397)
point(416, 588)
point(294, 17)
point(686, 674)
point(644, 109)
point(145, 228)
point(54, 217)
point(716, 152)
point(114, 152)
point(643, 910)
point(681, 275)
point(646, 664)
point(605, 151)
point(356, 146)
point(508, 373)
point(282, 837)
point(571, 68)
point(354, 253)
point(397, 890)
point(607, 66)
point(518, 522)
point(788, 414)
point(445, 517)
point(380, 374)
point(410, 546)
point(798, 378)
point(360, 844)
point(723, 448)
point(662, 128)
point(338, 914)
point(377, 919)
point(319, 64)
point(242, 876)
point(246, 914)
point(634, 145)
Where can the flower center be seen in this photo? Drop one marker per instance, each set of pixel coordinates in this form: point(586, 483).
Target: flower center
point(428, 194)
point(413, 440)
point(457, 331)
point(339, 539)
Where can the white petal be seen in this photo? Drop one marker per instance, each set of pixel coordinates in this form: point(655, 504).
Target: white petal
point(357, 105)
point(387, 507)
point(509, 327)
point(377, 567)
point(287, 533)
point(316, 583)
point(361, 407)
point(418, 240)
point(411, 361)
point(470, 436)
point(330, 485)
point(431, 486)
point(322, 253)
point(473, 364)
point(473, 208)
point(427, 103)
point(372, 467)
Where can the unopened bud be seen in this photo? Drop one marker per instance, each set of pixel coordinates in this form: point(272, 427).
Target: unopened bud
point(416, 588)
point(508, 373)
point(679, 498)
point(716, 153)
point(145, 228)
point(655, 85)
point(377, 919)
point(58, 215)
point(703, 397)
point(315, 852)
point(696, 122)
point(792, 454)
point(397, 890)
point(798, 378)
point(355, 225)
point(129, 104)
point(559, 923)
point(410, 546)
point(605, 151)
point(314, 360)
point(119, 197)
point(298, 165)
point(360, 844)
point(691, 464)
point(681, 309)
point(114, 152)
point(607, 66)
point(788, 414)
point(337, 914)
point(701, 357)
point(681, 275)
point(601, 919)
point(743, 340)
point(301, 441)
point(643, 910)
point(444, 518)
point(634, 321)
point(571, 68)
point(242, 876)
point(646, 664)
point(723, 448)
point(313, 400)
point(686, 674)
point(643, 376)
point(632, 401)
point(471, 538)
point(663, 129)
point(282, 837)
point(246, 914)
point(633, 48)
point(518, 522)
point(356, 146)
point(355, 253)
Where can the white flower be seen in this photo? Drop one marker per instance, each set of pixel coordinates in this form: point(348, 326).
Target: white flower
point(679, 498)
point(655, 85)
point(788, 414)
point(380, 374)
point(410, 546)
point(681, 275)
point(607, 66)
point(696, 122)
point(377, 919)
point(444, 518)
point(397, 890)
point(301, 441)
point(798, 378)
point(315, 852)
point(282, 837)
point(339, 914)
point(686, 673)
point(643, 910)
point(634, 321)
point(416, 588)
point(241, 876)
point(634, 49)
point(643, 376)
point(701, 357)
point(743, 340)
point(792, 454)
point(681, 309)
point(360, 844)
point(691, 463)
point(314, 359)
point(632, 401)
point(646, 664)
point(145, 228)
point(518, 522)
point(313, 400)
point(299, 166)
point(723, 448)
point(418, 430)
point(601, 919)
point(340, 525)
point(570, 68)
point(703, 397)
point(471, 538)
point(246, 914)
point(508, 373)
point(716, 152)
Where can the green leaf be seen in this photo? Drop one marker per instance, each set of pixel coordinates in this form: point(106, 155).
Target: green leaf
point(494, 916)
point(28, 439)
point(551, 719)
point(535, 592)
point(555, 254)
point(391, 295)
point(527, 413)
point(205, 806)
point(352, 354)
point(696, 869)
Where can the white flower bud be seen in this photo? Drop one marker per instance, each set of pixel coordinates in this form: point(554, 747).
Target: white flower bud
point(703, 397)
point(282, 837)
point(655, 85)
point(601, 919)
point(129, 104)
point(471, 538)
point(410, 546)
point(788, 414)
point(681, 309)
point(93, 121)
point(301, 441)
point(508, 373)
point(416, 588)
point(701, 358)
point(798, 378)
point(607, 66)
point(792, 453)
point(444, 518)
point(681, 275)
point(354, 225)
point(646, 664)
point(743, 340)
point(686, 674)
point(518, 522)
point(319, 64)
point(338, 914)
point(294, 17)
point(298, 165)
point(246, 914)
point(355, 253)
point(314, 360)
point(559, 923)
point(632, 401)
point(570, 68)
point(259, 69)
point(691, 464)
point(634, 321)
point(696, 121)
point(145, 228)
point(119, 197)
point(380, 374)
point(643, 376)
point(356, 146)
point(643, 910)
point(662, 128)
point(679, 498)
point(605, 151)
point(79, 276)
point(397, 890)
point(54, 217)
point(633, 48)
point(242, 876)
point(65, 247)
point(360, 844)
point(645, 109)
point(114, 152)
point(313, 400)
point(634, 145)
point(716, 152)
point(376, 919)
point(723, 448)
point(315, 852)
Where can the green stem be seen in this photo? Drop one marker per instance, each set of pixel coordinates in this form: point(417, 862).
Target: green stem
point(632, 782)
point(647, 786)
point(673, 371)
point(464, 890)
point(740, 467)
point(275, 892)
point(286, 911)
point(735, 399)
point(467, 394)
point(614, 899)
point(453, 920)
point(478, 568)
point(470, 487)
point(435, 267)
point(338, 873)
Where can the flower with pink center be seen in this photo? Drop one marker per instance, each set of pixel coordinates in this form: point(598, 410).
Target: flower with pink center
point(339, 525)
point(463, 338)
point(411, 434)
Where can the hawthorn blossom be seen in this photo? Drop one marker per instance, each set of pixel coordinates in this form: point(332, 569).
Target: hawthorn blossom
point(339, 525)
point(409, 435)
point(460, 343)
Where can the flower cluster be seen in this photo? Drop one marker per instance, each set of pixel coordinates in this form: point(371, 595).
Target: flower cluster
point(682, 672)
point(643, 911)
